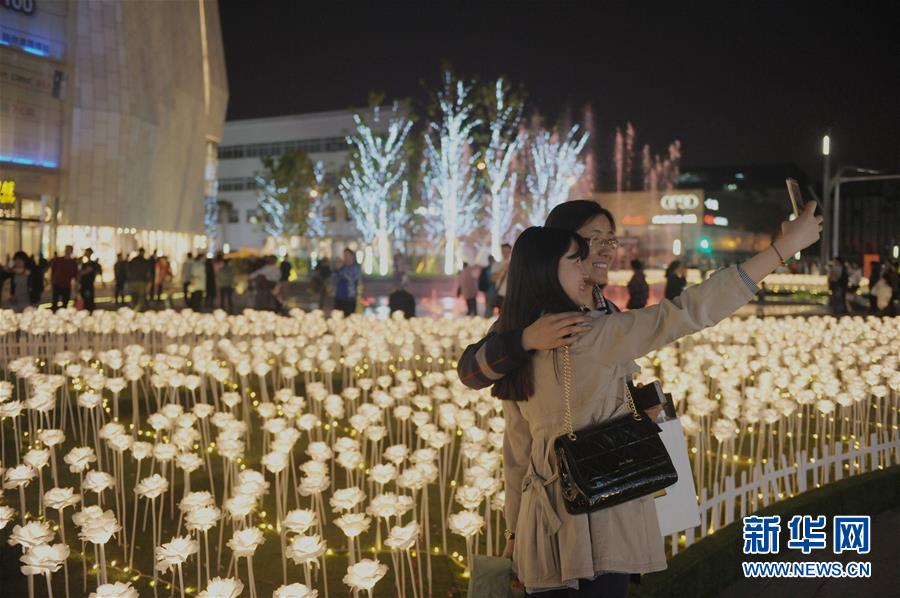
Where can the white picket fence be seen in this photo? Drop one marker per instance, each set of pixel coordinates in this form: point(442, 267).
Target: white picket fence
point(770, 485)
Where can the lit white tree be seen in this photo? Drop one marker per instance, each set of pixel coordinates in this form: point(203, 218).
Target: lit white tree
point(507, 139)
point(376, 192)
point(315, 223)
point(450, 187)
point(553, 168)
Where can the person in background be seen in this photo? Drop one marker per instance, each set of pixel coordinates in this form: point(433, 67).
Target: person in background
point(348, 277)
point(399, 267)
point(63, 269)
point(882, 293)
point(675, 279)
point(320, 281)
point(225, 282)
point(486, 286)
point(162, 276)
point(20, 273)
point(402, 300)
point(468, 287)
point(151, 288)
point(894, 279)
point(761, 300)
point(36, 284)
point(120, 272)
point(210, 292)
point(267, 279)
point(638, 289)
point(874, 277)
point(87, 276)
point(5, 275)
point(138, 275)
point(197, 278)
point(499, 275)
point(285, 269)
point(838, 278)
point(186, 278)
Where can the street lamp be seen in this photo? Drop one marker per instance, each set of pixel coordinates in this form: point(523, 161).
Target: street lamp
point(826, 194)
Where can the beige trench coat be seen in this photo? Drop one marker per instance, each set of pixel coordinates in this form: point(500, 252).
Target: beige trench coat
point(553, 547)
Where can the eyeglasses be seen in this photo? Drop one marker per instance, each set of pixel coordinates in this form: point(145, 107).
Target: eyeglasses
point(601, 242)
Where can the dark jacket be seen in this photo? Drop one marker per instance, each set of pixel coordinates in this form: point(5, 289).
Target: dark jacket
point(638, 291)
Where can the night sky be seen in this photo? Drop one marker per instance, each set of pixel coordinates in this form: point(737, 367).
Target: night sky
point(737, 82)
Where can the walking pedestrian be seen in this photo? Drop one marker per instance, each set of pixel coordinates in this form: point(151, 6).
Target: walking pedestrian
point(638, 289)
point(348, 278)
point(63, 270)
point(87, 275)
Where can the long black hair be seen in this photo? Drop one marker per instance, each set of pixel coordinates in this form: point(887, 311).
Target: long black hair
point(572, 215)
point(533, 288)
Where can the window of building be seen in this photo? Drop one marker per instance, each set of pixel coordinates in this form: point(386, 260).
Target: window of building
point(252, 216)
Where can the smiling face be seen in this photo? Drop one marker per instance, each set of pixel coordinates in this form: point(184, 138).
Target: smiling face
point(572, 277)
point(601, 255)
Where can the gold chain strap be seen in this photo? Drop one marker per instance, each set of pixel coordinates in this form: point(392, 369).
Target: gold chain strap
point(567, 393)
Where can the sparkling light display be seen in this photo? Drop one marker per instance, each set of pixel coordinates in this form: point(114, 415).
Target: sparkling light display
point(375, 191)
point(553, 169)
point(507, 140)
point(452, 200)
point(315, 223)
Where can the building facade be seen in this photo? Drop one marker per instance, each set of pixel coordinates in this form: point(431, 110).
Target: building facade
point(323, 136)
point(110, 116)
point(715, 216)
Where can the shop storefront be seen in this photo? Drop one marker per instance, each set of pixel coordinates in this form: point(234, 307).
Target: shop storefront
point(27, 200)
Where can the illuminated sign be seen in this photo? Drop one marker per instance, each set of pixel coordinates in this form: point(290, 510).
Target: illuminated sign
point(7, 192)
point(715, 220)
point(675, 219)
point(711, 204)
point(685, 201)
point(634, 220)
point(23, 6)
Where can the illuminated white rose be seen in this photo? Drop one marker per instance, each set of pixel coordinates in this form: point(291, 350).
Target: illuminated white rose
point(305, 549)
point(30, 535)
point(97, 481)
point(80, 458)
point(222, 588)
point(364, 574)
point(275, 461)
point(60, 498)
point(465, 523)
point(299, 520)
point(98, 529)
point(240, 506)
point(202, 518)
point(294, 590)
point(6, 515)
point(51, 437)
point(18, 476)
point(115, 590)
point(141, 450)
point(188, 461)
point(245, 542)
point(44, 559)
point(353, 524)
point(346, 499)
point(403, 538)
point(176, 552)
point(151, 487)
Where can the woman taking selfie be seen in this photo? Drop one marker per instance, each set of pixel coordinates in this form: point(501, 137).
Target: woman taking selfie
point(554, 552)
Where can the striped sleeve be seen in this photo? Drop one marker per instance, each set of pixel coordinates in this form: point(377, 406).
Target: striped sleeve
point(491, 358)
point(747, 280)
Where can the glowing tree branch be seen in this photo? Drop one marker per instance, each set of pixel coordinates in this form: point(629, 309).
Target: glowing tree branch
point(451, 195)
point(554, 168)
point(315, 223)
point(375, 191)
point(286, 188)
point(506, 141)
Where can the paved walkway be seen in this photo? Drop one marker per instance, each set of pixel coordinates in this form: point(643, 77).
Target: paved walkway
point(884, 583)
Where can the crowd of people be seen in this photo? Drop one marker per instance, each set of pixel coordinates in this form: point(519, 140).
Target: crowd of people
point(207, 283)
point(139, 281)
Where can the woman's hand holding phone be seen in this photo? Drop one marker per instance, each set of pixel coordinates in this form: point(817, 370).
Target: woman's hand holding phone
point(800, 233)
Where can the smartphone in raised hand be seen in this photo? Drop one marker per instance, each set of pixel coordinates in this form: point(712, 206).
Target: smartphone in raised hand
point(795, 195)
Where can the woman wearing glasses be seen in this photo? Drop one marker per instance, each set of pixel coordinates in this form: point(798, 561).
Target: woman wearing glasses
point(559, 554)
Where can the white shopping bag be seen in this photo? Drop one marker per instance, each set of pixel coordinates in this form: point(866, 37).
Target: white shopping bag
point(677, 509)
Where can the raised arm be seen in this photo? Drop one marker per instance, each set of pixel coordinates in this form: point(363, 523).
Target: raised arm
point(623, 337)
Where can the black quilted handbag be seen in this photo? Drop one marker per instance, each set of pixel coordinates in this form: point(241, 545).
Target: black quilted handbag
point(611, 462)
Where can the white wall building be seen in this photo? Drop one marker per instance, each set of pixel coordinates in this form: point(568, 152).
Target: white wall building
point(321, 134)
point(109, 117)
